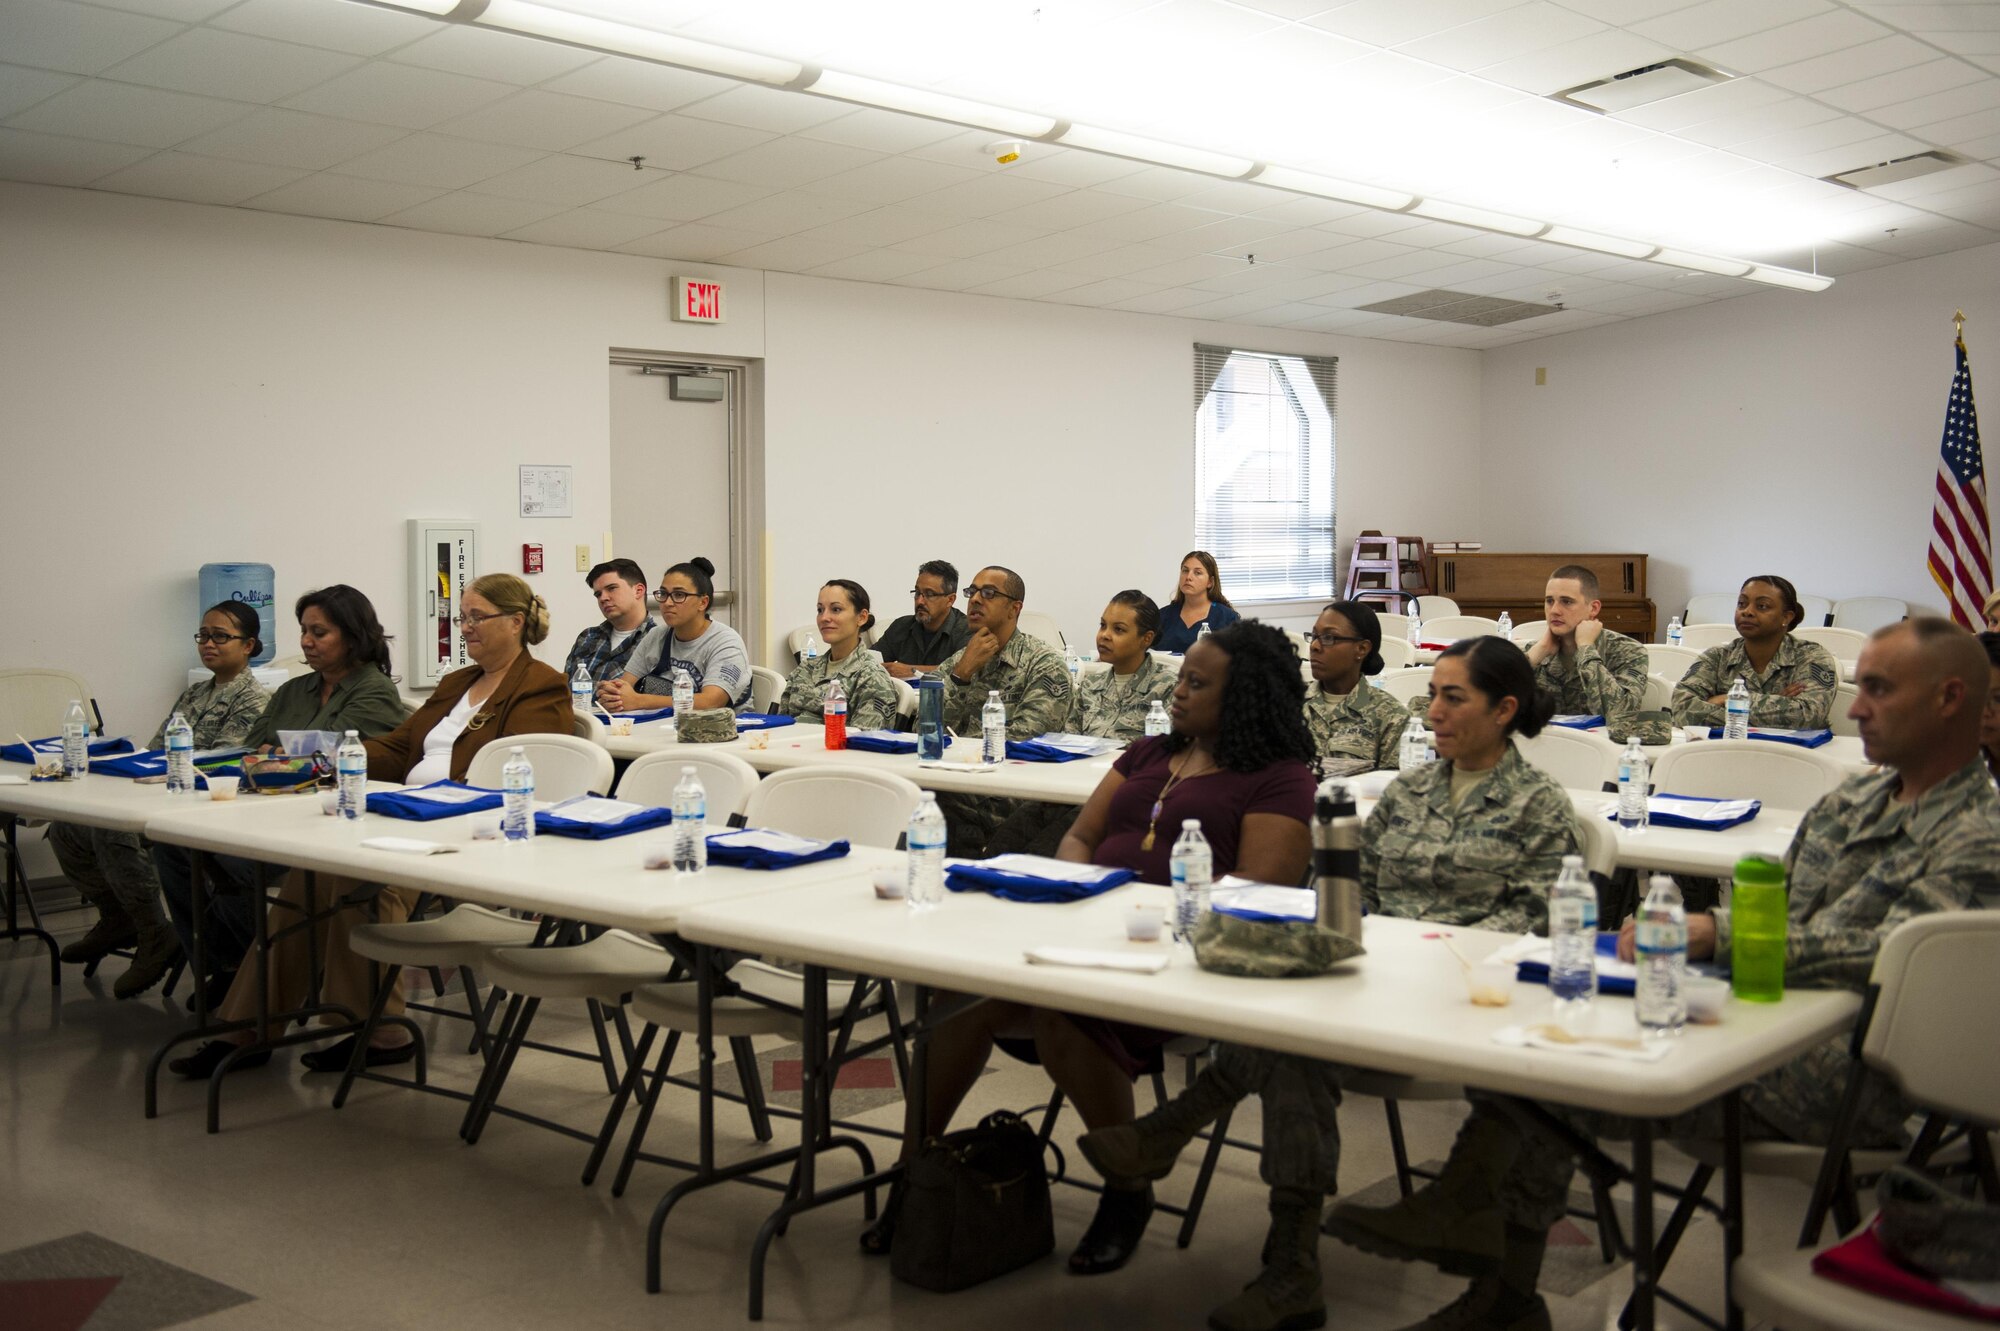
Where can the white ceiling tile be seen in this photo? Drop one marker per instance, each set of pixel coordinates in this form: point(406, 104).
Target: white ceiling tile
point(464, 214)
point(1506, 35)
point(967, 239)
point(1229, 307)
point(180, 11)
point(1161, 184)
point(1233, 197)
point(1162, 219)
point(50, 159)
point(356, 29)
point(1198, 269)
point(773, 109)
point(674, 143)
point(991, 194)
point(1067, 166)
point(1961, 131)
point(437, 161)
point(483, 53)
point(403, 95)
point(76, 39)
point(1113, 290)
point(1699, 27)
point(1917, 190)
point(1865, 61)
point(879, 226)
point(174, 175)
point(1900, 86)
point(1936, 106)
point(1280, 247)
point(1586, 59)
point(1056, 248)
point(342, 197)
point(1393, 22)
point(890, 180)
point(1794, 113)
point(874, 266)
point(639, 83)
point(1868, 152)
point(1217, 237)
point(572, 182)
point(21, 87)
point(683, 198)
point(1116, 262)
point(583, 229)
point(553, 121)
point(1067, 211)
point(788, 163)
point(278, 137)
point(120, 113)
point(1792, 145)
point(959, 275)
point(1951, 16)
point(1304, 210)
point(1703, 104)
point(786, 214)
point(1032, 285)
point(229, 64)
point(1819, 35)
point(880, 131)
point(693, 242)
point(790, 254)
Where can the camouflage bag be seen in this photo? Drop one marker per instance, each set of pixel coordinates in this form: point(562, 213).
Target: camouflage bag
point(1269, 949)
point(1647, 727)
point(709, 725)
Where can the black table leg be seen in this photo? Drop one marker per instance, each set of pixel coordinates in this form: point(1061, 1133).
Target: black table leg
point(1644, 1277)
point(1732, 1204)
point(17, 891)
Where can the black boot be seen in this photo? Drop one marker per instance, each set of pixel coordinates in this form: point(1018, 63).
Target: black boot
point(1456, 1223)
point(1286, 1295)
point(1146, 1148)
point(1114, 1231)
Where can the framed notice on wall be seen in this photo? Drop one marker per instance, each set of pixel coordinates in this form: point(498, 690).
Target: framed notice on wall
point(545, 492)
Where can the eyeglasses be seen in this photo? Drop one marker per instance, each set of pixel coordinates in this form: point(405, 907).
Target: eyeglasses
point(923, 595)
point(985, 594)
point(217, 635)
point(677, 595)
point(1330, 639)
point(472, 619)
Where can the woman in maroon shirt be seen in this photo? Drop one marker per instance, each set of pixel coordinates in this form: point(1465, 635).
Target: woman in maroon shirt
point(1240, 760)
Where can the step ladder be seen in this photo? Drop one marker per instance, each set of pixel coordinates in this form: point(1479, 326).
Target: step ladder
point(1389, 570)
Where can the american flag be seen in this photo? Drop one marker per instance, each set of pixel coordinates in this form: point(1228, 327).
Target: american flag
point(1961, 560)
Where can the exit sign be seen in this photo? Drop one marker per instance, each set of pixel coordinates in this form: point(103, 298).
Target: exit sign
point(697, 300)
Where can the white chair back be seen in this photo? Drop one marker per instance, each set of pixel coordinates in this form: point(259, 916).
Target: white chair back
point(293, 666)
point(1405, 684)
point(583, 725)
point(1711, 608)
point(1597, 843)
point(1037, 624)
point(766, 687)
point(1663, 658)
point(1698, 638)
point(1845, 644)
point(726, 779)
point(1450, 628)
point(1816, 608)
point(1784, 776)
point(1838, 720)
point(1529, 632)
point(565, 766)
point(1930, 973)
point(1577, 759)
point(1393, 625)
point(906, 696)
point(830, 803)
point(1396, 652)
point(1659, 693)
point(1430, 607)
point(33, 701)
point(1865, 614)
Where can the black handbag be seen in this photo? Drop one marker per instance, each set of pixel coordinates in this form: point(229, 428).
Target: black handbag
point(975, 1205)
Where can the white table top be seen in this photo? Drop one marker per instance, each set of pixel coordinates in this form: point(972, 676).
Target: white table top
point(598, 882)
point(116, 803)
point(1401, 1009)
point(803, 745)
point(1685, 850)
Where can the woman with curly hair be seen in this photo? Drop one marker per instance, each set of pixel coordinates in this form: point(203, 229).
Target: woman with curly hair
point(1239, 759)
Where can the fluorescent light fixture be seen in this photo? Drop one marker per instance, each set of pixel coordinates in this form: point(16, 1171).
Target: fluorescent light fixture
point(1637, 87)
point(1327, 187)
point(1576, 238)
point(1704, 263)
point(933, 105)
point(1142, 149)
point(595, 34)
point(434, 8)
point(1788, 277)
point(1505, 223)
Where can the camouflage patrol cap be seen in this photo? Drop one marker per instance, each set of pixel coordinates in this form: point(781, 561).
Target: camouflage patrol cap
point(1269, 949)
point(710, 725)
point(1647, 727)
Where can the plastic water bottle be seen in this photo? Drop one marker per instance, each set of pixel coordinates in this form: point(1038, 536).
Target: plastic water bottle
point(1506, 624)
point(1663, 947)
point(75, 742)
point(1736, 711)
point(1416, 628)
point(812, 647)
point(517, 803)
point(683, 693)
point(1572, 939)
point(1633, 771)
point(1202, 631)
point(690, 823)
point(1157, 720)
point(924, 887)
point(1674, 631)
point(1416, 747)
point(834, 712)
point(1192, 867)
point(582, 690)
point(350, 768)
point(180, 756)
point(993, 729)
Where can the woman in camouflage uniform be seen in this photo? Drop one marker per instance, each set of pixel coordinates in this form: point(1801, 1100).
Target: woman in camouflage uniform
point(1355, 726)
point(843, 616)
point(1791, 681)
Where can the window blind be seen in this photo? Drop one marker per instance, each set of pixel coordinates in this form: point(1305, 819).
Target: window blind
point(1264, 450)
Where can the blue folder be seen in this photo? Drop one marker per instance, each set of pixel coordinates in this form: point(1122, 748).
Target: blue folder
point(1805, 739)
point(730, 848)
point(555, 823)
point(411, 805)
point(98, 748)
point(1034, 751)
point(973, 877)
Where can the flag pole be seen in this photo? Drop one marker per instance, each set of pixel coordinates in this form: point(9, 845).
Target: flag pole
point(1958, 324)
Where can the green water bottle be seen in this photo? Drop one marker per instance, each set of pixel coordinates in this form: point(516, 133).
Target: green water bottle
point(1757, 930)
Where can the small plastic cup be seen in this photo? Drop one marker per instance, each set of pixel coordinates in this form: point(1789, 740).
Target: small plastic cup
point(656, 855)
point(486, 827)
point(621, 725)
point(1490, 983)
point(890, 885)
point(757, 739)
point(1693, 733)
point(1143, 923)
point(329, 802)
point(222, 788)
point(1706, 997)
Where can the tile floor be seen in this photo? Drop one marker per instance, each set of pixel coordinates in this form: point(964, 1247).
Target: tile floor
point(377, 1216)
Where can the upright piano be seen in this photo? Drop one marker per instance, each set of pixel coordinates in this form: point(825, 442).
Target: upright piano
point(1486, 582)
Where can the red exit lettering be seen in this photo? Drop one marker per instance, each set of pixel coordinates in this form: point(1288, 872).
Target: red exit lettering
point(699, 301)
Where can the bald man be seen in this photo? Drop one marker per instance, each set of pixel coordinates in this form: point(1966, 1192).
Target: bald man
point(1921, 836)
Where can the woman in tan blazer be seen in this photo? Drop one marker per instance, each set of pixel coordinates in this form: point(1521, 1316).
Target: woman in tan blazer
point(504, 692)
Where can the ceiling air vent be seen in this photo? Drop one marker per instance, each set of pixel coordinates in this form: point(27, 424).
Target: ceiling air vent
point(1903, 168)
point(1460, 307)
point(1636, 87)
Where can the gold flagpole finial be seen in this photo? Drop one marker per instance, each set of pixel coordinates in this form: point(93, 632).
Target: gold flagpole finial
point(1958, 321)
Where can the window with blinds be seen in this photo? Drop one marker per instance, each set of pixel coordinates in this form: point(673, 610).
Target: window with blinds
point(1263, 490)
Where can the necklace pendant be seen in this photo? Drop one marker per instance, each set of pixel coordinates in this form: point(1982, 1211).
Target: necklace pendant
point(1147, 844)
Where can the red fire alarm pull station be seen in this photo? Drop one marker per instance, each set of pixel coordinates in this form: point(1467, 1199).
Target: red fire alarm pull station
point(531, 558)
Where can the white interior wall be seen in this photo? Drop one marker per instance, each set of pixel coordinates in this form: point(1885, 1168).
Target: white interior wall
point(1782, 433)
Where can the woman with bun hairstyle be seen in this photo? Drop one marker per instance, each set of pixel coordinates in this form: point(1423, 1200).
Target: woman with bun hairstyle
point(711, 653)
point(1791, 680)
point(1355, 726)
point(843, 615)
point(503, 693)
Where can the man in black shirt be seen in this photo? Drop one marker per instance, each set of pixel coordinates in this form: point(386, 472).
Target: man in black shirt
point(917, 643)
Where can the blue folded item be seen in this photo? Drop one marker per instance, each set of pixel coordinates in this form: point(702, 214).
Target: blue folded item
point(440, 799)
point(761, 848)
point(649, 714)
point(881, 741)
point(1698, 813)
point(1537, 972)
point(598, 819)
point(97, 748)
point(1014, 878)
point(1034, 751)
point(1805, 739)
point(1577, 722)
point(763, 721)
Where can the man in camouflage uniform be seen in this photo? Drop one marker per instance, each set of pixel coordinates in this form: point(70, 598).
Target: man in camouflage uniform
point(871, 698)
point(1587, 669)
point(1884, 848)
point(114, 872)
point(1794, 692)
point(1030, 675)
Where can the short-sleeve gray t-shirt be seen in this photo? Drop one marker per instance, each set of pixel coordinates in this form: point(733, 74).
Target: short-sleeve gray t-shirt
point(717, 657)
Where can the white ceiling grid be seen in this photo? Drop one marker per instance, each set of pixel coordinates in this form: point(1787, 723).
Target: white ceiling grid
point(331, 109)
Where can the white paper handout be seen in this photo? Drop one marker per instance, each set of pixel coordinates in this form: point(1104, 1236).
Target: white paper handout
point(1145, 963)
point(405, 845)
point(445, 794)
point(595, 809)
point(1292, 903)
point(1088, 745)
point(1041, 866)
point(763, 838)
point(1708, 811)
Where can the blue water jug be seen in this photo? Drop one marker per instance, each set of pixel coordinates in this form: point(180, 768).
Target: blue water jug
point(930, 719)
point(255, 585)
